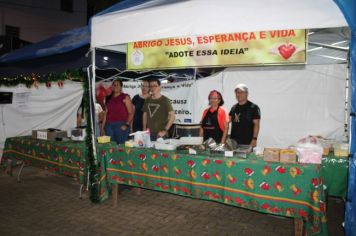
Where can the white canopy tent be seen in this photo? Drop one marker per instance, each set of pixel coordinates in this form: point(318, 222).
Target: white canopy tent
point(168, 19)
point(171, 18)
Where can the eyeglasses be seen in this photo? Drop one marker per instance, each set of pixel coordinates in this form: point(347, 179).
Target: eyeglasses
point(153, 86)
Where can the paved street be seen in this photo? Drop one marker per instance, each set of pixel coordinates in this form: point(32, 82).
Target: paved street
point(47, 204)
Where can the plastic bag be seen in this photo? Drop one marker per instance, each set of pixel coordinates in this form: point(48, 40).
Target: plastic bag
point(310, 150)
point(142, 139)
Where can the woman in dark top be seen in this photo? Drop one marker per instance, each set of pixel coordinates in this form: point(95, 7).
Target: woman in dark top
point(214, 122)
point(138, 101)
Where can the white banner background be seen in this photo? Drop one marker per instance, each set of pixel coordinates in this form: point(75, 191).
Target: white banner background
point(39, 108)
point(295, 101)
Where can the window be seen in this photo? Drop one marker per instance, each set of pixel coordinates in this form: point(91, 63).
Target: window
point(67, 5)
point(12, 31)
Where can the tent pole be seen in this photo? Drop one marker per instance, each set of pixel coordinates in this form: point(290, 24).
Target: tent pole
point(93, 168)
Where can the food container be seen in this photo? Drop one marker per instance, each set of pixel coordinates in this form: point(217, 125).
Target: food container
point(104, 139)
point(326, 151)
point(341, 150)
point(310, 156)
point(190, 140)
point(130, 143)
point(258, 151)
point(166, 144)
point(141, 139)
point(271, 154)
point(287, 156)
point(310, 150)
point(327, 145)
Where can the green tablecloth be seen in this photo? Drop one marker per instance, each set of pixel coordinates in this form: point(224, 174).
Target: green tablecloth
point(335, 174)
point(63, 157)
point(291, 190)
point(46, 154)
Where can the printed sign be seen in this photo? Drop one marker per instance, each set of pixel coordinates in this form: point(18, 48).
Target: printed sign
point(181, 95)
point(245, 48)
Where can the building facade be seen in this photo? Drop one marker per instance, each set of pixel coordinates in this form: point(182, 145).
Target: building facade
point(35, 20)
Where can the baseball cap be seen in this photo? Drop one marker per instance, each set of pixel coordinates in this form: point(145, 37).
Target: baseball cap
point(242, 87)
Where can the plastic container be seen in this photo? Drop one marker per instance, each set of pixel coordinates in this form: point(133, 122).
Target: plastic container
point(287, 156)
point(191, 140)
point(104, 139)
point(168, 144)
point(310, 150)
point(341, 149)
point(141, 139)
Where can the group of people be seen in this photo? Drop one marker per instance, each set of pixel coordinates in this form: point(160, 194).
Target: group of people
point(152, 110)
point(244, 118)
point(147, 110)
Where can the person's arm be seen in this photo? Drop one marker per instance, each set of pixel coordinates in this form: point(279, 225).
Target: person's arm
point(171, 118)
point(226, 129)
point(133, 112)
point(144, 120)
point(102, 124)
point(201, 132)
point(100, 111)
point(223, 119)
point(256, 129)
point(130, 109)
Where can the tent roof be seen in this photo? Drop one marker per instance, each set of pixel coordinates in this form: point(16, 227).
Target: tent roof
point(64, 42)
point(61, 43)
point(158, 19)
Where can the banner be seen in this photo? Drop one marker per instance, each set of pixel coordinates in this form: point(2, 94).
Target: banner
point(233, 49)
point(181, 95)
point(182, 99)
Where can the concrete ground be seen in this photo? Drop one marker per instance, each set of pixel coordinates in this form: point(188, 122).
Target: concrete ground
point(47, 204)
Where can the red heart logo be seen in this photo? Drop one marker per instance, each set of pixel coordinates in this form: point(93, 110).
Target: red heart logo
point(286, 50)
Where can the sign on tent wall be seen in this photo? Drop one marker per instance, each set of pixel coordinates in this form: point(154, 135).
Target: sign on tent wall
point(181, 94)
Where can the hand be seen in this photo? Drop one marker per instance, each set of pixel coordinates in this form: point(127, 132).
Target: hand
point(124, 127)
point(253, 143)
point(162, 133)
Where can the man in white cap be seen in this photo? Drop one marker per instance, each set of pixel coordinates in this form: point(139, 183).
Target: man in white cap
point(245, 118)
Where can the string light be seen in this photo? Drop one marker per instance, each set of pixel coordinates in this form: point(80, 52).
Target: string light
point(34, 79)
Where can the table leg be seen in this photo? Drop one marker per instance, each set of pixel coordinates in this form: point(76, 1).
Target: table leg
point(114, 192)
point(9, 167)
point(20, 171)
point(298, 227)
point(138, 191)
point(81, 190)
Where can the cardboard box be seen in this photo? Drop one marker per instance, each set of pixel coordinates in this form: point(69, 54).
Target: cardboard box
point(287, 156)
point(51, 135)
point(271, 154)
